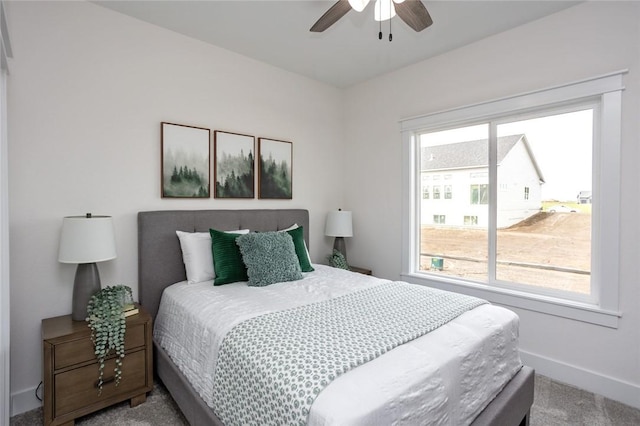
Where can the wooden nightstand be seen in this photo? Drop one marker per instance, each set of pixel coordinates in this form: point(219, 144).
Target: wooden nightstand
point(71, 368)
point(360, 270)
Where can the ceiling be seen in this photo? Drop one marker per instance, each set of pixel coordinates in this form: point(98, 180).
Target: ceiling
point(349, 52)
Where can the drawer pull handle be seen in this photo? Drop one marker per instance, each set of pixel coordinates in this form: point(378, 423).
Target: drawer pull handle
point(104, 381)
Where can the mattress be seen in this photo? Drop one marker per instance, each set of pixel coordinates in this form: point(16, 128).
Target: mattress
point(445, 377)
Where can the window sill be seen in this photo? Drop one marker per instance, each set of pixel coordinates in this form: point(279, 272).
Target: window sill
point(583, 312)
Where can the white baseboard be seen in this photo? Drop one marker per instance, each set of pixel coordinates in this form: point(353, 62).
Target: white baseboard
point(23, 401)
point(609, 387)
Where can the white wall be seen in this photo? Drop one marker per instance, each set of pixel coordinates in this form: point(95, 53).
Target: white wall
point(87, 92)
point(587, 40)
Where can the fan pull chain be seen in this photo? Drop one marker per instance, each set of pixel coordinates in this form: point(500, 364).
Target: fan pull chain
point(379, 4)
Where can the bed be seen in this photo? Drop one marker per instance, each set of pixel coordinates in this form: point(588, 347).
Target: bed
point(161, 266)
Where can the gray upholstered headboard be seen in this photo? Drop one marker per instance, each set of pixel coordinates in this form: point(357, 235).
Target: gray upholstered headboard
point(159, 254)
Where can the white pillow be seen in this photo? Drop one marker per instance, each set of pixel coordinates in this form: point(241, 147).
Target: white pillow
point(196, 254)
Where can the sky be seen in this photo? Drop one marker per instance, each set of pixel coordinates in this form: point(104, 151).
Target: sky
point(561, 143)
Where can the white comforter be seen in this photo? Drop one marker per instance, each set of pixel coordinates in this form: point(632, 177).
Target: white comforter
point(445, 377)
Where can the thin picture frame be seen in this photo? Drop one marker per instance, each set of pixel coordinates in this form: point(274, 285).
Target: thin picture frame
point(234, 165)
point(275, 169)
point(185, 161)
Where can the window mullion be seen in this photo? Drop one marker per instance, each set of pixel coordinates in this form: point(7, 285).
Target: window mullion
point(493, 201)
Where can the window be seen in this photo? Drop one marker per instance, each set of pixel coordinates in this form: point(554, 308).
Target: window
point(425, 193)
point(447, 192)
point(550, 150)
point(479, 194)
point(438, 218)
point(436, 192)
point(470, 220)
point(525, 159)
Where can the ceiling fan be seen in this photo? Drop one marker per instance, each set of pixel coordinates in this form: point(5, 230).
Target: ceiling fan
point(412, 12)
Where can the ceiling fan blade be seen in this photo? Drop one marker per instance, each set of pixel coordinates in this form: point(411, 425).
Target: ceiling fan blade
point(414, 14)
point(331, 16)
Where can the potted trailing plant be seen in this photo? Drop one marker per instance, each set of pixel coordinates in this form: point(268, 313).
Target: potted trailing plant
point(105, 315)
point(337, 260)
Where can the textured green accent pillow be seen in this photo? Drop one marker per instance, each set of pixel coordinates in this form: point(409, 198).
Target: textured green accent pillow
point(270, 258)
point(226, 258)
point(301, 249)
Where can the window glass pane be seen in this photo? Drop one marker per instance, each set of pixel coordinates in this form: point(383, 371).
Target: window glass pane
point(436, 192)
point(447, 192)
point(544, 238)
point(453, 229)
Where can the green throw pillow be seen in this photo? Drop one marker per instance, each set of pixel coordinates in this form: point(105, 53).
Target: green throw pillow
point(270, 258)
point(227, 259)
point(301, 249)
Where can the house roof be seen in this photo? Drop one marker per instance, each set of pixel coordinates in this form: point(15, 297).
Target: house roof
point(471, 154)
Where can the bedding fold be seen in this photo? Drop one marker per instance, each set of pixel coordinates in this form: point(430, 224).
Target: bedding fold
point(272, 367)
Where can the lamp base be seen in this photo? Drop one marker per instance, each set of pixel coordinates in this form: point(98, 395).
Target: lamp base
point(85, 285)
point(339, 245)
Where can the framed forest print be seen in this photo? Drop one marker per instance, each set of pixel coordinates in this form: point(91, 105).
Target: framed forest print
point(234, 165)
point(275, 169)
point(186, 159)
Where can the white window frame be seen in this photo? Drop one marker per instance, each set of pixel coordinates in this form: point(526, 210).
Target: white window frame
point(606, 92)
point(5, 343)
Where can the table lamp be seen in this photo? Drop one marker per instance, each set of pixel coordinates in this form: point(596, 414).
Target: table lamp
point(86, 240)
point(339, 225)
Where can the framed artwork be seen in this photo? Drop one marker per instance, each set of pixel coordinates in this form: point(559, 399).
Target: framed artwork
point(186, 159)
point(275, 169)
point(234, 165)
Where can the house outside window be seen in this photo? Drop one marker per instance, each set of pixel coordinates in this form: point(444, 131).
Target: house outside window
point(425, 192)
point(438, 219)
point(521, 154)
point(447, 192)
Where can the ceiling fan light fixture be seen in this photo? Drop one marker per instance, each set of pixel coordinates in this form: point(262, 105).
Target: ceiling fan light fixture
point(359, 5)
point(411, 12)
point(384, 10)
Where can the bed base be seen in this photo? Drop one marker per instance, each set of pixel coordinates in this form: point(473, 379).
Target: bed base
point(160, 265)
point(510, 408)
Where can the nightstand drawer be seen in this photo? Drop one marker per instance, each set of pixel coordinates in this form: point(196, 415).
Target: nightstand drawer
point(82, 350)
point(77, 388)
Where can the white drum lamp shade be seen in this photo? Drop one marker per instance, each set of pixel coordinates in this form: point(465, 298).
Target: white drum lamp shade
point(85, 240)
point(339, 224)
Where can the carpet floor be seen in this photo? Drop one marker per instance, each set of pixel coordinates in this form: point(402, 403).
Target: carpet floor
point(554, 404)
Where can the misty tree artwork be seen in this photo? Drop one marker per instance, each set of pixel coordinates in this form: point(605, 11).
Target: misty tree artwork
point(275, 169)
point(234, 165)
point(186, 157)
